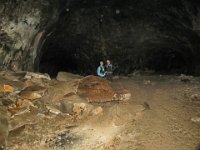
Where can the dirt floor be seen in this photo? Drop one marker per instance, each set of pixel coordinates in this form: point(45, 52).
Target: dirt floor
point(162, 114)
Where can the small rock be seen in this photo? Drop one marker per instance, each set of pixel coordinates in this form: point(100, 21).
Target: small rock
point(122, 94)
point(117, 11)
point(195, 119)
point(195, 97)
point(124, 77)
point(146, 105)
point(53, 110)
point(66, 106)
point(33, 92)
point(30, 75)
point(79, 108)
point(16, 131)
point(147, 82)
point(97, 111)
point(185, 78)
point(6, 88)
point(17, 111)
point(116, 77)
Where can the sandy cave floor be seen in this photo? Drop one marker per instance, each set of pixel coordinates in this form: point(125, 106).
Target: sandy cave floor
point(162, 114)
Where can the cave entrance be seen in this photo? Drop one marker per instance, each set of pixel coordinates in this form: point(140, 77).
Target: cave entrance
point(54, 60)
point(72, 46)
point(60, 54)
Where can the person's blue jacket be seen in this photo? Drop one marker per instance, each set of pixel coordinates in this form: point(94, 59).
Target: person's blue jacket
point(101, 71)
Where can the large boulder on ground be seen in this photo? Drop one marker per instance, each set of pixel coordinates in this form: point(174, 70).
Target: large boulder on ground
point(96, 89)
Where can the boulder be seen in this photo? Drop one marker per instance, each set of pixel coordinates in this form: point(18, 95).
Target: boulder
point(96, 89)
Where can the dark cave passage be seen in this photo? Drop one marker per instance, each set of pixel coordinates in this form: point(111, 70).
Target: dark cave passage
point(55, 60)
point(131, 37)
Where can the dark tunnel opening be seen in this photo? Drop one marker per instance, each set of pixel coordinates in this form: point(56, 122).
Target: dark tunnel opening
point(55, 60)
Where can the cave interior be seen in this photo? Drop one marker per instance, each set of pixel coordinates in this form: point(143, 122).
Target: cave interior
point(134, 35)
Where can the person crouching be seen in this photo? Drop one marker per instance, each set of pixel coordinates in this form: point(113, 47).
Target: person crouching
point(101, 70)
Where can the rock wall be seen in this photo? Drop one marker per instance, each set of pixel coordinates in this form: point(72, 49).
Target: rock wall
point(23, 26)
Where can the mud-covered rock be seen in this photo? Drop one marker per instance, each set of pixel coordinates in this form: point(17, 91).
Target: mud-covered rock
point(96, 89)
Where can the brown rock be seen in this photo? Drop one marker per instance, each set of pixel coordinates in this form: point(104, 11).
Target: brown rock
point(33, 92)
point(95, 89)
point(66, 106)
point(6, 88)
point(30, 95)
point(79, 108)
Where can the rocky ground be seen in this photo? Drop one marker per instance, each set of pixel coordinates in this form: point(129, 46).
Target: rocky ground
point(136, 112)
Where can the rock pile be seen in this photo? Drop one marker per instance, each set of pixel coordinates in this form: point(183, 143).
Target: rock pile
point(27, 99)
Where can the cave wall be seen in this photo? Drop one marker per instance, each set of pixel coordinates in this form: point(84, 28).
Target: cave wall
point(23, 26)
point(134, 34)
